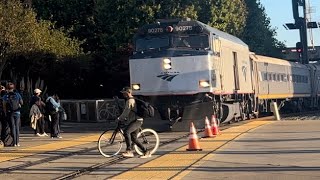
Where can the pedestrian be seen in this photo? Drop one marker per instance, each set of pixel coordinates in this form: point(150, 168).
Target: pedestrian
point(12, 103)
point(52, 111)
point(36, 97)
point(37, 118)
point(36, 121)
point(2, 117)
point(135, 122)
point(57, 99)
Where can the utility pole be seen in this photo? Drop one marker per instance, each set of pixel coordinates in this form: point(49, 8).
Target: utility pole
point(300, 22)
point(302, 25)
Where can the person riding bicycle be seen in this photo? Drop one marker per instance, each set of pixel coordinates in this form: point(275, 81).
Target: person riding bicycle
point(135, 122)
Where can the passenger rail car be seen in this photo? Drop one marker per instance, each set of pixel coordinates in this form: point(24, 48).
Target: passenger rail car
point(189, 70)
point(287, 83)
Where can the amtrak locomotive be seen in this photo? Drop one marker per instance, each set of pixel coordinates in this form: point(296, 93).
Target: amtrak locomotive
point(189, 70)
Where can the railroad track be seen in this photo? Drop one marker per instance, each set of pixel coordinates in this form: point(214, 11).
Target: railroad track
point(306, 115)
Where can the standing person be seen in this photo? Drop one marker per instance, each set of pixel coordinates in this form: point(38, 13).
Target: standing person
point(12, 103)
point(57, 99)
point(40, 122)
point(37, 119)
point(135, 122)
point(52, 111)
point(36, 97)
point(3, 122)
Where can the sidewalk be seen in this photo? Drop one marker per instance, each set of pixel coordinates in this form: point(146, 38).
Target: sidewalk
point(69, 130)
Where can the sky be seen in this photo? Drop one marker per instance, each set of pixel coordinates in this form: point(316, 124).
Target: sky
point(280, 12)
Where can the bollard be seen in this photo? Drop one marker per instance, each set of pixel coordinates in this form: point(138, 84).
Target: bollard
point(275, 110)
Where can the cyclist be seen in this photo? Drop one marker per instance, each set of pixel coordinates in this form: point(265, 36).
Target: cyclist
point(135, 122)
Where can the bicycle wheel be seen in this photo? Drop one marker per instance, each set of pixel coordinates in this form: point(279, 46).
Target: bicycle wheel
point(103, 114)
point(149, 139)
point(108, 145)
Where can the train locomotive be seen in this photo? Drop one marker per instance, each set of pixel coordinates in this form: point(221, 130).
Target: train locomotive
point(189, 70)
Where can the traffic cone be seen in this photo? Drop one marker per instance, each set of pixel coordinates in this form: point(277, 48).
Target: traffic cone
point(215, 128)
point(207, 130)
point(193, 139)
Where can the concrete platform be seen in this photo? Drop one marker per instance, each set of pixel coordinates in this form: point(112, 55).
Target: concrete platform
point(280, 150)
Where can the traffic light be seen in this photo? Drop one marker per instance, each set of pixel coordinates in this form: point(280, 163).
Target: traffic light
point(299, 47)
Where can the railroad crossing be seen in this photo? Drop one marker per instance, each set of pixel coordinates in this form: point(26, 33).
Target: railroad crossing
point(255, 149)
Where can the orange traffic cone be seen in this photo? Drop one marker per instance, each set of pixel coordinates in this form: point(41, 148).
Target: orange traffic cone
point(193, 139)
point(215, 128)
point(208, 130)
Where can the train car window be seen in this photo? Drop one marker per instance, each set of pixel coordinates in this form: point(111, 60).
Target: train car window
point(282, 77)
point(307, 79)
point(151, 42)
point(278, 77)
point(265, 76)
point(191, 41)
point(285, 78)
point(274, 77)
point(270, 76)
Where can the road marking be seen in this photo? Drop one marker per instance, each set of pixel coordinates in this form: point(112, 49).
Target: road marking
point(177, 164)
point(61, 144)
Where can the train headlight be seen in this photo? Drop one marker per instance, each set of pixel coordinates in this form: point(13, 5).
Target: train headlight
point(167, 63)
point(204, 83)
point(136, 87)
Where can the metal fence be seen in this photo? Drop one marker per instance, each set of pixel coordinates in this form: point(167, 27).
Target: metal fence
point(91, 110)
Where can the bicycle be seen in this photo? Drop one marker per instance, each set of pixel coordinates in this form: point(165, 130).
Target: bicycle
point(108, 111)
point(111, 143)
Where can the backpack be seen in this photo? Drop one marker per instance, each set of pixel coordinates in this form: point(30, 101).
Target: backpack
point(13, 103)
point(49, 107)
point(144, 109)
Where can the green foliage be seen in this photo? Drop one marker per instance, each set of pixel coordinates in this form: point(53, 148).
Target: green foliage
point(74, 16)
point(22, 35)
point(258, 33)
point(225, 15)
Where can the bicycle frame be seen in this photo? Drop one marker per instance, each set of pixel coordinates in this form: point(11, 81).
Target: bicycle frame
point(151, 143)
point(116, 130)
point(120, 129)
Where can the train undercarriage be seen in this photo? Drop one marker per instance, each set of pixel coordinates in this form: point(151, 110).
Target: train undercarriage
point(179, 111)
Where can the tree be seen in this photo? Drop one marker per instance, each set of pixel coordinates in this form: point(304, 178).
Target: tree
point(258, 33)
point(74, 16)
point(226, 15)
point(22, 35)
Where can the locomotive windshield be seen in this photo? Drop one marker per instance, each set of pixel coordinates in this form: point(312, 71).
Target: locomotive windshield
point(191, 41)
point(199, 41)
point(149, 43)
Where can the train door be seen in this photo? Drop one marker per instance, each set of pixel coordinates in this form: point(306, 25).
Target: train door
point(236, 71)
point(217, 63)
point(253, 103)
point(254, 76)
